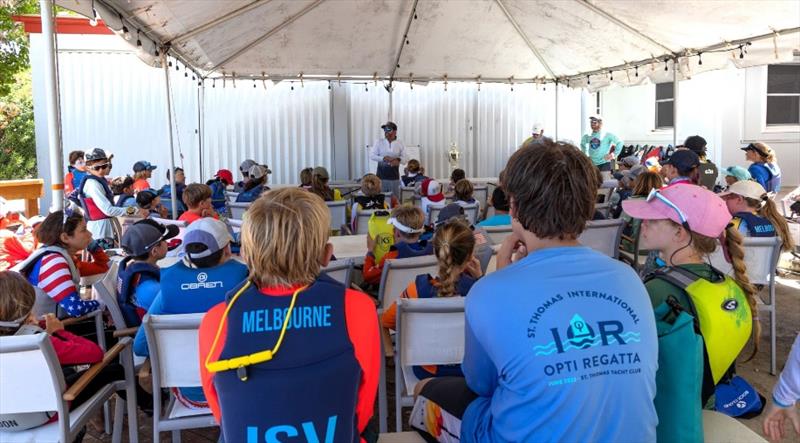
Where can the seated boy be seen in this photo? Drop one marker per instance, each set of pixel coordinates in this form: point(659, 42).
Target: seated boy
point(150, 200)
point(208, 253)
point(311, 345)
point(197, 198)
point(431, 192)
point(408, 226)
point(138, 281)
point(545, 337)
point(77, 170)
point(122, 187)
point(500, 204)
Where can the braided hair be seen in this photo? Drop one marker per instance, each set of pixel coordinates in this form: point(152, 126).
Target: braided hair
point(453, 245)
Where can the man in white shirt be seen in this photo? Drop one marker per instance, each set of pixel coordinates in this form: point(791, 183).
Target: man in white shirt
point(389, 153)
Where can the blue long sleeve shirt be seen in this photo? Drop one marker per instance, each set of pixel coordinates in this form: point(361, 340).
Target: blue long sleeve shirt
point(559, 353)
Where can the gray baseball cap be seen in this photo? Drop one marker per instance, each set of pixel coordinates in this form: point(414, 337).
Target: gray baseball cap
point(140, 238)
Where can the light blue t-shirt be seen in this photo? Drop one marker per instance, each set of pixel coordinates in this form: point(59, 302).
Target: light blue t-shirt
point(496, 220)
point(598, 144)
point(561, 346)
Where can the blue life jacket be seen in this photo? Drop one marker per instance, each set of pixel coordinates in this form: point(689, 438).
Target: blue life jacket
point(166, 198)
point(773, 183)
point(126, 289)
point(186, 290)
point(77, 176)
point(251, 195)
point(309, 388)
point(418, 249)
point(90, 209)
point(412, 181)
point(123, 200)
point(756, 225)
point(218, 199)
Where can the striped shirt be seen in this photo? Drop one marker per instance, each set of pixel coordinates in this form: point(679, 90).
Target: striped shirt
point(52, 275)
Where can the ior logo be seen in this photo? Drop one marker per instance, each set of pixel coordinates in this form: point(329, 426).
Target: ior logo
point(580, 335)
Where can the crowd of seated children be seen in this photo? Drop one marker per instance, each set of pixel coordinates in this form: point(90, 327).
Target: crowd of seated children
point(150, 200)
point(500, 204)
point(74, 353)
point(197, 198)
point(53, 268)
point(510, 390)
point(432, 196)
point(685, 224)
point(142, 172)
point(369, 199)
point(208, 252)
point(734, 174)
point(319, 185)
point(219, 184)
point(680, 167)
point(453, 246)
point(455, 176)
point(97, 199)
point(754, 213)
point(255, 185)
point(180, 185)
point(122, 187)
point(305, 178)
point(331, 345)
point(414, 174)
point(244, 169)
point(139, 277)
point(75, 172)
point(408, 223)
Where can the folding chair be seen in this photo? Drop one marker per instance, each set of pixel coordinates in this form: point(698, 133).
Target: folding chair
point(234, 224)
point(497, 234)
point(603, 236)
point(398, 273)
point(406, 194)
point(606, 191)
point(174, 359)
point(231, 196)
point(472, 213)
point(34, 382)
point(761, 256)
point(338, 210)
point(481, 194)
point(434, 212)
point(362, 220)
point(341, 271)
point(429, 332)
point(238, 210)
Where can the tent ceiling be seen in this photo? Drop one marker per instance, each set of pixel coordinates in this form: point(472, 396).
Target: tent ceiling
point(460, 39)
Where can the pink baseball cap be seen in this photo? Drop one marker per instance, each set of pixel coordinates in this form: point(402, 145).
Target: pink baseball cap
point(704, 211)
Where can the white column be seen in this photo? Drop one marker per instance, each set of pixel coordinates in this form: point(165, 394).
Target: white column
point(675, 66)
point(174, 194)
point(51, 95)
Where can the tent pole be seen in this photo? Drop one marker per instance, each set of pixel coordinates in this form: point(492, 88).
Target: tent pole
point(174, 194)
point(556, 110)
point(51, 88)
point(391, 103)
point(674, 102)
point(201, 104)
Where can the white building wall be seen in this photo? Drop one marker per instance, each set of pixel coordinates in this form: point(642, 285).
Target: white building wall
point(726, 107)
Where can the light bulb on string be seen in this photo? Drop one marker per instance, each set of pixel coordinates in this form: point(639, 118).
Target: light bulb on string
point(126, 34)
point(254, 84)
point(185, 71)
point(637, 70)
point(292, 88)
point(329, 85)
point(666, 65)
point(741, 51)
point(213, 82)
point(139, 48)
point(611, 75)
point(588, 79)
point(170, 63)
point(700, 58)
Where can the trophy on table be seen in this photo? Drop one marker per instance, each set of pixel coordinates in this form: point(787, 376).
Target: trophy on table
point(453, 155)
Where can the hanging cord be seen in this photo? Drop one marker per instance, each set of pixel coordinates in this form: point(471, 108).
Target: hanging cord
point(175, 125)
point(57, 86)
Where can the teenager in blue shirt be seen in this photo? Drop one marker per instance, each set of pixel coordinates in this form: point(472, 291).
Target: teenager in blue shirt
point(500, 204)
point(765, 168)
point(553, 351)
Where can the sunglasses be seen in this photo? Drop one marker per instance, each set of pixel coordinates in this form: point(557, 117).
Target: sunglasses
point(655, 194)
point(388, 129)
point(101, 167)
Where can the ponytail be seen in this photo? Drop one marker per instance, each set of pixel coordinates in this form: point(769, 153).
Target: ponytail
point(769, 211)
point(733, 245)
point(453, 244)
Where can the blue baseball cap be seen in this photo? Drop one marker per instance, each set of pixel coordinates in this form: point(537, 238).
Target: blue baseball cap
point(143, 166)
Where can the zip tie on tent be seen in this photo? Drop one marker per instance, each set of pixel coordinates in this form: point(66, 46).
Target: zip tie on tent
point(264, 80)
point(233, 79)
point(411, 80)
point(775, 36)
point(478, 80)
point(301, 81)
point(445, 83)
point(339, 78)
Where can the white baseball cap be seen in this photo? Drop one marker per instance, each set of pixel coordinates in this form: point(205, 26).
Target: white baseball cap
point(537, 128)
point(746, 188)
point(209, 232)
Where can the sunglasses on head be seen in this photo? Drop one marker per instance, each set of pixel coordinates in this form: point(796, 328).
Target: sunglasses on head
point(655, 194)
point(101, 167)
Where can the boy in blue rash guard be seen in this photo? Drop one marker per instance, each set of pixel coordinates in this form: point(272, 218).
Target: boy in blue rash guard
point(561, 344)
point(196, 284)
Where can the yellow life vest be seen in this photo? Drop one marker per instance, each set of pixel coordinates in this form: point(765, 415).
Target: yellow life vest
point(382, 232)
point(723, 314)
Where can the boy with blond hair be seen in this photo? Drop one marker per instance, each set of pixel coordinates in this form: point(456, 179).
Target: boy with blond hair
point(408, 223)
point(290, 339)
point(197, 197)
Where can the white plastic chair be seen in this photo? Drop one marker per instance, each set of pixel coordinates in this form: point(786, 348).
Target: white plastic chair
point(761, 255)
point(362, 220)
point(231, 196)
point(32, 381)
point(471, 211)
point(399, 272)
point(338, 210)
point(238, 210)
point(406, 194)
point(434, 212)
point(341, 271)
point(175, 362)
point(603, 236)
point(429, 332)
point(234, 224)
point(497, 234)
point(481, 194)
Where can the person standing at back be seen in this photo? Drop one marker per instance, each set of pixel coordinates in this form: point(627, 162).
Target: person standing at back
point(389, 153)
point(554, 352)
point(707, 171)
point(600, 145)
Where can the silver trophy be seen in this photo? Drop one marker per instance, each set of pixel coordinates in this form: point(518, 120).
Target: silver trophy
point(453, 156)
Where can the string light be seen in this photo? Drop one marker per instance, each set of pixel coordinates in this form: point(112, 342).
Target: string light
point(254, 84)
point(233, 79)
point(741, 51)
point(479, 83)
point(93, 20)
point(666, 65)
point(213, 82)
point(170, 63)
point(637, 70)
point(588, 79)
point(700, 58)
point(445, 83)
point(329, 85)
point(139, 48)
point(126, 34)
point(185, 71)
point(611, 75)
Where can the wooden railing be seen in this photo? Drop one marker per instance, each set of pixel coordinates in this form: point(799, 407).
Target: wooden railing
point(28, 190)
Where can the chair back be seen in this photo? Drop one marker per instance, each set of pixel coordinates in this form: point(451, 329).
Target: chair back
point(429, 332)
point(398, 273)
point(362, 220)
point(406, 193)
point(497, 234)
point(603, 236)
point(238, 210)
point(231, 196)
point(434, 212)
point(341, 271)
point(481, 194)
point(338, 214)
point(234, 224)
point(106, 290)
point(32, 378)
point(174, 349)
point(471, 211)
point(761, 256)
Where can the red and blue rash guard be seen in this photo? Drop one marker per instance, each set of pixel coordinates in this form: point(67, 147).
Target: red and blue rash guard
point(52, 274)
point(321, 383)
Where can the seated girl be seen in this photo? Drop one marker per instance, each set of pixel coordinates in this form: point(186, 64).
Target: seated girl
point(414, 174)
point(754, 213)
point(453, 245)
point(319, 185)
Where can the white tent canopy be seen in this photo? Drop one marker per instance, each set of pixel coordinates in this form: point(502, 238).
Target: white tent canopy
point(483, 40)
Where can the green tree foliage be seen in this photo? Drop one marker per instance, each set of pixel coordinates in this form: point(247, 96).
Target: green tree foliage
point(13, 41)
